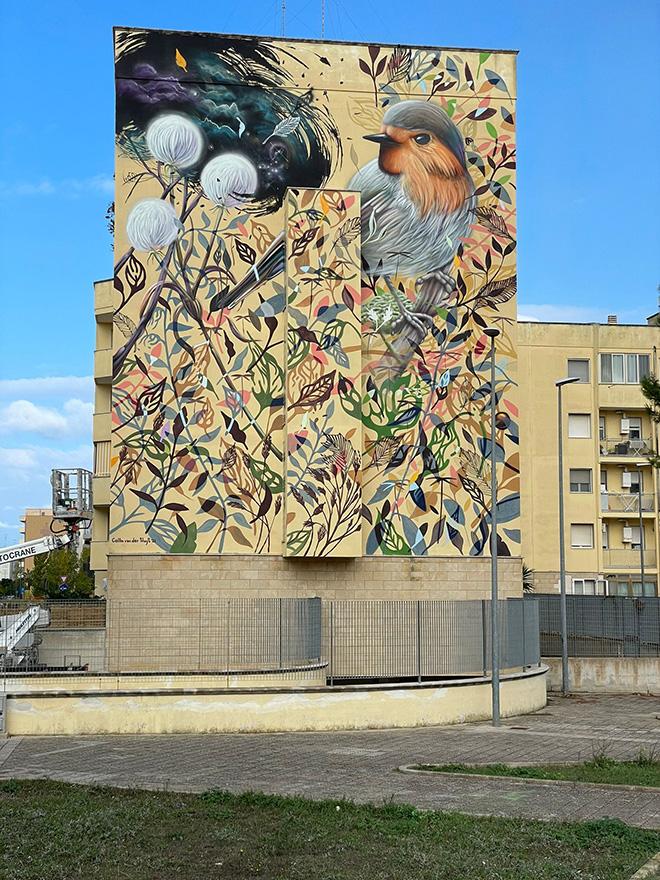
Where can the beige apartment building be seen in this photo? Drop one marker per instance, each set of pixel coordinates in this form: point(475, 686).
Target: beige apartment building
point(103, 311)
point(35, 523)
point(607, 435)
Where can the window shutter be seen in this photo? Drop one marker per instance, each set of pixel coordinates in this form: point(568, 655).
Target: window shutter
point(625, 426)
point(626, 480)
point(627, 534)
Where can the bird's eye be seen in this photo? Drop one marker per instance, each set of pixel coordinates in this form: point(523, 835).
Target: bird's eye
point(422, 138)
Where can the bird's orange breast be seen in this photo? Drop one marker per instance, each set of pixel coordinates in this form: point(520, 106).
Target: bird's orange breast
point(432, 176)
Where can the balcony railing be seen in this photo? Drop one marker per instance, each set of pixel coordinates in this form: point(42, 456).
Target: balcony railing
point(102, 458)
point(622, 446)
point(623, 558)
point(622, 502)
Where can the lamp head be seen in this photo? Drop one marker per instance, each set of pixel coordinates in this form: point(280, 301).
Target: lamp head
point(568, 381)
point(492, 332)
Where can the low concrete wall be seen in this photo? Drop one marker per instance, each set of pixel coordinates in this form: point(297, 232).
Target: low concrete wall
point(606, 675)
point(197, 711)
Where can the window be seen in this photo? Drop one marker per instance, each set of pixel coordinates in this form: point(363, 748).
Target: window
point(636, 481)
point(621, 369)
point(635, 429)
point(579, 425)
point(578, 367)
point(580, 479)
point(582, 535)
point(601, 428)
point(605, 539)
point(588, 587)
point(637, 537)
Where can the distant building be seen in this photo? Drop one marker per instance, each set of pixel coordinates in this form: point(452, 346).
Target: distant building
point(35, 523)
point(607, 434)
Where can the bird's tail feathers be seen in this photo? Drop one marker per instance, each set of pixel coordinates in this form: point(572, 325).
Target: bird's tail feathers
point(266, 268)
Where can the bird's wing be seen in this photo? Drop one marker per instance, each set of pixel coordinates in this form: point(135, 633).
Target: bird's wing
point(382, 215)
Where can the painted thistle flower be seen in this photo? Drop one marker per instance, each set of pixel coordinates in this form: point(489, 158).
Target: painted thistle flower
point(152, 224)
point(175, 140)
point(229, 180)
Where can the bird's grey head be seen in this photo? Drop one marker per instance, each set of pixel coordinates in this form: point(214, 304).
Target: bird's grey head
point(424, 116)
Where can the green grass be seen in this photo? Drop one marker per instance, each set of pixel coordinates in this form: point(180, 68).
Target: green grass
point(642, 770)
point(57, 831)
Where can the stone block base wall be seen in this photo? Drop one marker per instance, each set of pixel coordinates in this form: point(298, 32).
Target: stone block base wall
point(548, 581)
point(250, 576)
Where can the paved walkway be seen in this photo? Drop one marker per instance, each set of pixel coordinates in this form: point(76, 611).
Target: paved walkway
point(361, 765)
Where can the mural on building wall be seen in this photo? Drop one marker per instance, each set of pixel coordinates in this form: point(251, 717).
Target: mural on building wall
point(266, 397)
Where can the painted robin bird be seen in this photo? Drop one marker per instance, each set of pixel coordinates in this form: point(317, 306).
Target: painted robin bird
point(417, 202)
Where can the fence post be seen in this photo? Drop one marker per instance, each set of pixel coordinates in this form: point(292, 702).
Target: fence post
point(228, 637)
point(199, 639)
point(484, 637)
point(332, 653)
point(419, 642)
point(280, 626)
point(524, 645)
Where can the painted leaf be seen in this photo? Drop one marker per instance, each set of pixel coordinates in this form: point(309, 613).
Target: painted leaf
point(286, 126)
point(316, 393)
point(348, 231)
point(301, 243)
point(135, 274)
point(500, 290)
point(417, 494)
point(383, 450)
point(382, 491)
point(454, 511)
point(245, 252)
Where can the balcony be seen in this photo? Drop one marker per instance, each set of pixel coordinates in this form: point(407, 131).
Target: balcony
point(624, 448)
point(624, 558)
point(622, 502)
point(103, 365)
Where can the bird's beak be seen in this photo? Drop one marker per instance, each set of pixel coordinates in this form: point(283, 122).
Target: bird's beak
point(380, 138)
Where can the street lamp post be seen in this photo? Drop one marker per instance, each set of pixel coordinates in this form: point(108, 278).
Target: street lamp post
point(562, 549)
point(641, 521)
point(492, 333)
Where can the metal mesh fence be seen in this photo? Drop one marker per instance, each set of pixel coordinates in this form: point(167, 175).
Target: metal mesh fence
point(601, 626)
point(52, 635)
point(278, 637)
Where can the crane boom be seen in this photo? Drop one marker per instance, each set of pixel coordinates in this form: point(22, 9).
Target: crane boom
point(33, 548)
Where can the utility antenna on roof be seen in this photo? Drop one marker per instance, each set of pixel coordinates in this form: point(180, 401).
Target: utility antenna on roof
point(283, 10)
point(322, 19)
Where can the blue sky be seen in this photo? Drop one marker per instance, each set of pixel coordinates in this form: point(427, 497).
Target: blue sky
point(588, 186)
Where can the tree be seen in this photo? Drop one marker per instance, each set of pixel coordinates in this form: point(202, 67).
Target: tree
point(45, 579)
point(7, 587)
point(651, 391)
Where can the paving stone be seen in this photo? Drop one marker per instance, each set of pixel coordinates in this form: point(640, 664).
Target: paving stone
point(362, 765)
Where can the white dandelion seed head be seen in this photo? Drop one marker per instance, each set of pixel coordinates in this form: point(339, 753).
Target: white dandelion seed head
point(152, 224)
point(229, 180)
point(175, 140)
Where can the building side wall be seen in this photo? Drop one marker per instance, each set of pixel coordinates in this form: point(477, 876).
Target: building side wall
point(210, 400)
point(544, 351)
point(199, 576)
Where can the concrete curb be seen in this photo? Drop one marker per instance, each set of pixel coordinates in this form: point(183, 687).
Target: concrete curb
point(647, 870)
point(569, 782)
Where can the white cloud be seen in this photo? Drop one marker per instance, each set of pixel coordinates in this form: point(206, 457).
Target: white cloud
point(74, 419)
point(17, 459)
point(44, 386)
point(26, 472)
point(4, 525)
point(70, 188)
point(526, 317)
